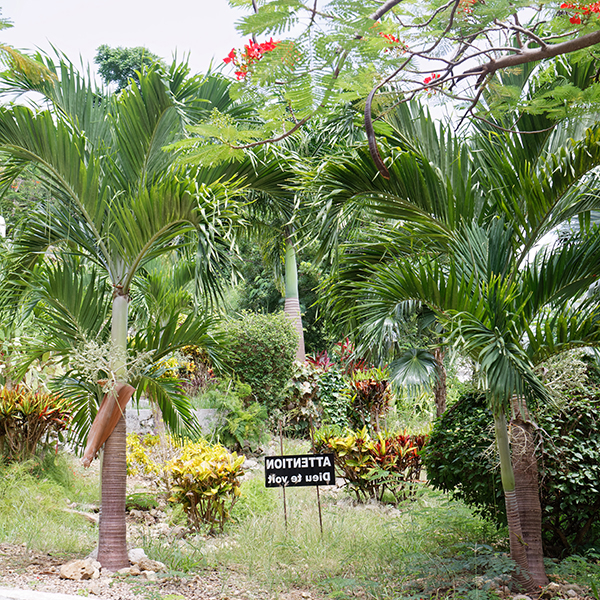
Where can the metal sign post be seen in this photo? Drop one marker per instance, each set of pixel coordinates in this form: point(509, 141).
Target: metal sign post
point(300, 470)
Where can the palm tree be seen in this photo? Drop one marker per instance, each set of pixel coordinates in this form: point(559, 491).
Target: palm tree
point(118, 202)
point(463, 225)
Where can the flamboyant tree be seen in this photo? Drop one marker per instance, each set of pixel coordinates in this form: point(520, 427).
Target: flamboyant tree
point(398, 50)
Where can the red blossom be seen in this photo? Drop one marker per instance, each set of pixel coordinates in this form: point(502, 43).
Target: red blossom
point(250, 55)
point(230, 57)
point(575, 20)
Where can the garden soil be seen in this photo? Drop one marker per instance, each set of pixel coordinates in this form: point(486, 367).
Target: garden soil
point(23, 569)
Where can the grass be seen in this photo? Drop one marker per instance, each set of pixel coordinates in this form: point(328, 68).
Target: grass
point(34, 498)
point(368, 549)
point(433, 547)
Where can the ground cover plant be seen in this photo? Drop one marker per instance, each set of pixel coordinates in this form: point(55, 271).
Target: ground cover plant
point(35, 497)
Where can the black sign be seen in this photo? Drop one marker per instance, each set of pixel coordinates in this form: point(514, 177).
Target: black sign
point(299, 470)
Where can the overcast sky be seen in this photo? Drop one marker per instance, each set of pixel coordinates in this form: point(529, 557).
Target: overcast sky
point(202, 28)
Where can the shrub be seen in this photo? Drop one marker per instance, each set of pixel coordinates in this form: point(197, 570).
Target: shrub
point(239, 425)
point(334, 398)
point(28, 419)
point(370, 398)
point(260, 350)
point(301, 407)
point(206, 482)
point(460, 458)
point(375, 465)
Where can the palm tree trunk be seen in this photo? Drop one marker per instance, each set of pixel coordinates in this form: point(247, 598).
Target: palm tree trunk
point(112, 538)
point(515, 534)
point(527, 488)
point(292, 302)
point(440, 390)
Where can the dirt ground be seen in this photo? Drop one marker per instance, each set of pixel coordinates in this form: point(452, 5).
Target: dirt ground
point(24, 569)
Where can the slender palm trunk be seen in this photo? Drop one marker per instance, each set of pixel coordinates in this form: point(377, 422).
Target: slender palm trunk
point(440, 390)
point(515, 534)
point(527, 488)
point(292, 302)
point(112, 540)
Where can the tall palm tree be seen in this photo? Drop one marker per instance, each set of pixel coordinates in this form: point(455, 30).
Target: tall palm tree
point(118, 202)
point(464, 225)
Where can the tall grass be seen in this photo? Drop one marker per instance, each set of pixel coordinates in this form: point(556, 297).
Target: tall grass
point(34, 498)
point(374, 548)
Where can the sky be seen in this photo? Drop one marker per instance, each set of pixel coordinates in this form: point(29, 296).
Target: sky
point(202, 28)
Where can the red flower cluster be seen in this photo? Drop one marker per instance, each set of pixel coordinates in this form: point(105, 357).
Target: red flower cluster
point(582, 9)
point(466, 6)
point(431, 79)
point(250, 55)
point(394, 42)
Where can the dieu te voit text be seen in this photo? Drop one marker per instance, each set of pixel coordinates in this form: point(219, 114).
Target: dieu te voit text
point(300, 470)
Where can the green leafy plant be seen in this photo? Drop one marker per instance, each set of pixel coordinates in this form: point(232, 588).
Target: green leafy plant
point(373, 466)
point(206, 482)
point(260, 350)
point(240, 424)
point(28, 419)
point(334, 397)
point(460, 458)
point(301, 407)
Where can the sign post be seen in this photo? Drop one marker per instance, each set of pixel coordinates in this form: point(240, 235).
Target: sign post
point(300, 470)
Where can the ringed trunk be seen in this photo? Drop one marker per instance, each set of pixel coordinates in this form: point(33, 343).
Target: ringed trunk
point(292, 303)
point(112, 537)
point(515, 533)
point(440, 390)
point(525, 467)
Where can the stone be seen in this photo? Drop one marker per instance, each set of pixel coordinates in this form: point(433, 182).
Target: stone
point(124, 571)
point(572, 593)
point(146, 564)
point(575, 588)
point(135, 570)
point(78, 570)
point(521, 597)
point(136, 554)
point(149, 575)
point(96, 590)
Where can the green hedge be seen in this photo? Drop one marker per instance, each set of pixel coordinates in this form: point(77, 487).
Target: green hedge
point(461, 458)
point(260, 350)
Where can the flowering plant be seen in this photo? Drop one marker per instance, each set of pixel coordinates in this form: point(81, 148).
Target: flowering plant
point(581, 9)
point(250, 55)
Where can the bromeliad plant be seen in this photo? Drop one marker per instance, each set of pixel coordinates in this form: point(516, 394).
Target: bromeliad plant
point(206, 482)
point(26, 417)
point(373, 466)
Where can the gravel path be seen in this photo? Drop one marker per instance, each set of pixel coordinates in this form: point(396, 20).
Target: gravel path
point(26, 575)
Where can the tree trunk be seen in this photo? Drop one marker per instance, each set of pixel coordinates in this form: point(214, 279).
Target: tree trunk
point(527, 488)
point(112, 536)
point(112, 540)
point(292, 303)
point(515, 534)
point(440, 390)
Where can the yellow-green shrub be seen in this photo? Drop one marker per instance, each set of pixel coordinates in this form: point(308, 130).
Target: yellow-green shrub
point(139, 455)
point(206, 482)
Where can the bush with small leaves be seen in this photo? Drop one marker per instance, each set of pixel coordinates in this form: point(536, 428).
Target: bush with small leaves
point(260, 350)
point(460, 458)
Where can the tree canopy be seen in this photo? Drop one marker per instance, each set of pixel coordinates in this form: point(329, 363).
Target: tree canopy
point(121, 65)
